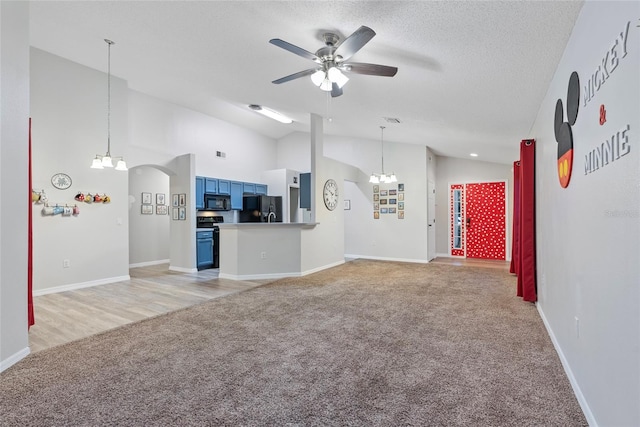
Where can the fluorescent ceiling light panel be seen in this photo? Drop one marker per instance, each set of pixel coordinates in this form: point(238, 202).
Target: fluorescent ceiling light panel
point(270, 113)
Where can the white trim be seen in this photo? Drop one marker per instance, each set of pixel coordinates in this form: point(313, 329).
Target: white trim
point(182, 269)
point(14, 358)
point(148, 263)
point(379, 258)
point(567, 369)
point(279, 275)
point(74, 286)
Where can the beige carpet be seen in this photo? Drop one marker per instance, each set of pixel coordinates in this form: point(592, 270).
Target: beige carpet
point(367, 343)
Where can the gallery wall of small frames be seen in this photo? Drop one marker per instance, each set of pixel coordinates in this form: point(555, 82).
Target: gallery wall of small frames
point(388, 202)
point(178, 205)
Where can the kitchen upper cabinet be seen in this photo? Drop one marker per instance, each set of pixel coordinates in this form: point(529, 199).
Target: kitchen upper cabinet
point(211, 185)
point(261, 189)
point(224, 187)
point(237, 189)
point(305, 190)
point(249, 188)
point(199, 192)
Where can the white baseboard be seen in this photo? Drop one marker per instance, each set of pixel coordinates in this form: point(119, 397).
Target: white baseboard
point(182, 269)
point(379, 258)
point(14, 358)
point(278, 275)
point(148, 263)
point(74, 286)
point(567, 369)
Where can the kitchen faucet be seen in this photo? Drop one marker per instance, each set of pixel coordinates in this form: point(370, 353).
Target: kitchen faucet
point(269, 216)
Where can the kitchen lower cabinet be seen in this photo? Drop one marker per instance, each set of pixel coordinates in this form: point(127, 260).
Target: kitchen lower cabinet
point(204, 249)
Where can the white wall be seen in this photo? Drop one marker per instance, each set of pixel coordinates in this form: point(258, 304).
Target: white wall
point(160, 131)
point(588, 234)
point(14, 180)
point(68, 108)
point(461, 171)
point(387, 237)
point(148, 234)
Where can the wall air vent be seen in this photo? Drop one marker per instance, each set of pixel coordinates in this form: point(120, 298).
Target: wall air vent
point(221, 154)
point(391, 120)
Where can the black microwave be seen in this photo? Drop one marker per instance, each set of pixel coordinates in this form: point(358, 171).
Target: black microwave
point(217, 202)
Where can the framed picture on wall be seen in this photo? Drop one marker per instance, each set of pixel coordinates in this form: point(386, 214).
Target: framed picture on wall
point(383, 193)
point(376, 215)
point(400, 214)
point(174, 214)
point(401, 196)
point(376, 197)
point(384, 210)
point(182, 214)
point(182, 199)
point(401, 206)
point(146, 198)
point(376, 206)
point(347, 205)
point(376, 188)
point(392, 192)
point(161, 209)
point(175, 200)
point(400, 187)
point(147, 209)
point(159, 198)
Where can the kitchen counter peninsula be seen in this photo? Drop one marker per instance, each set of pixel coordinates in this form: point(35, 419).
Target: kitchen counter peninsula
point(261, 250)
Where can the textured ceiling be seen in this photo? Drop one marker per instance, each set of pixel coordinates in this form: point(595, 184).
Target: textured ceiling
point(471, 75)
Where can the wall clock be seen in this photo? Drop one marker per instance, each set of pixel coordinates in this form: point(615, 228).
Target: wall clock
point(330, 194)
point(61, 181)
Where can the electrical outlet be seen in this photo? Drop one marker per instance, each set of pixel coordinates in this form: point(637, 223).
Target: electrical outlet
point(263, 255)
point(66, 263)
point(577, 327)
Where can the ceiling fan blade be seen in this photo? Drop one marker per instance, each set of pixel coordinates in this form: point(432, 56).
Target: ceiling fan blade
point(295, 49)
point(370, 69)
point(335, 90)
point(295, 76)
point(354, 42)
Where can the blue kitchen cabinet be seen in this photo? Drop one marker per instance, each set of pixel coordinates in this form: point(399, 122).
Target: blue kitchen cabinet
point(261, 189)
point(199, 192)
point(237, 189)
point(305, 190)
point(204, 249)
point(249, 188)
point(211, 185)
point(224, 187)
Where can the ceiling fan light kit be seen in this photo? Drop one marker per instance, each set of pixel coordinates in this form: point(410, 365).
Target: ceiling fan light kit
point(106, 161)
point(332, 59)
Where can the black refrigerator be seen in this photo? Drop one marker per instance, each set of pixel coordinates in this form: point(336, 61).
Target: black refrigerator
point(261, 209)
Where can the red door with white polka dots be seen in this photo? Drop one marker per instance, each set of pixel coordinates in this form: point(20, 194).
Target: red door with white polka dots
point(484, 220)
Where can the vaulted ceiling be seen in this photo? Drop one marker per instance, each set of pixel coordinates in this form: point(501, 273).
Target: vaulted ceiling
point(471, 74)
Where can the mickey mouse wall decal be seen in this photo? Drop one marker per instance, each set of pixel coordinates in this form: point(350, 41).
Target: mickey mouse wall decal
point(562, 129)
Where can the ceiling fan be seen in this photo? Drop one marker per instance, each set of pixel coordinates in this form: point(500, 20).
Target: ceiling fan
point(331, 61)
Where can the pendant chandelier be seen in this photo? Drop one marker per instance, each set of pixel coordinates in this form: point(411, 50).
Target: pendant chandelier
point(106, 161)
point(382, 177)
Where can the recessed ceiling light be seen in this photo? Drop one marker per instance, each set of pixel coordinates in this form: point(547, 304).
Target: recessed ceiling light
point(270, 113)
point(473, 155)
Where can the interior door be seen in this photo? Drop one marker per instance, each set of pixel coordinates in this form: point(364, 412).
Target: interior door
point(485, 220)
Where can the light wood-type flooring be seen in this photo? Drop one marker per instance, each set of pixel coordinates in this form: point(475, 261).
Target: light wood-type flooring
point(154, 290)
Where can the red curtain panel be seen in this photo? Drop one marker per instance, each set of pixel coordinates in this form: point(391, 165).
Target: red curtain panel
point(30, 315)
point(526, 260)
point(514, 267)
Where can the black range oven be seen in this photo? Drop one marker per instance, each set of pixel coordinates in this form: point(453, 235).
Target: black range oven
point(210, 222)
